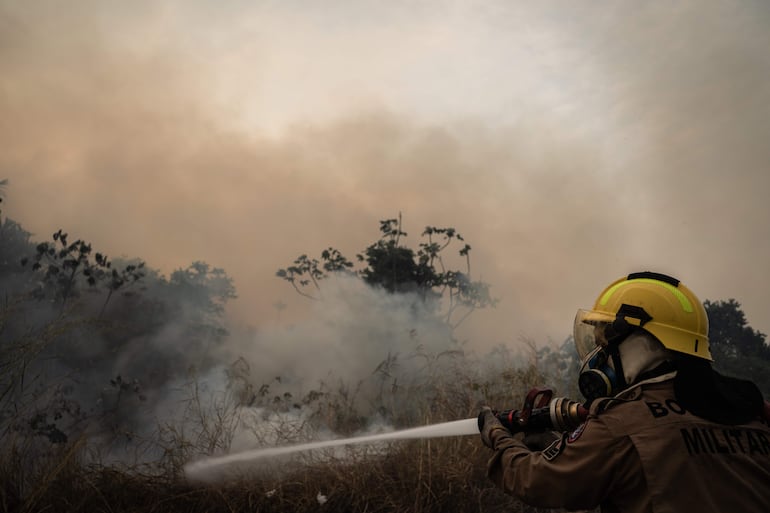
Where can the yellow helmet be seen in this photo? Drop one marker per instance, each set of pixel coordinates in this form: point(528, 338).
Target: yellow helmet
point(654, 302)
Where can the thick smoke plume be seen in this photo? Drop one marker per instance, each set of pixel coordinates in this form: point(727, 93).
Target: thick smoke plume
point(570, 144)
point(570, 153)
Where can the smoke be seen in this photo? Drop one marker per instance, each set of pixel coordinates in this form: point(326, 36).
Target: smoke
point(570, 144)
point(352, 330)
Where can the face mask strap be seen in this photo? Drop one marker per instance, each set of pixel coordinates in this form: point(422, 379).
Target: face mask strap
point(613, 351)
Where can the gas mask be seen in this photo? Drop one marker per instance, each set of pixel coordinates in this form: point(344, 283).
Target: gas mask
point(614, 353)
point(600, 375)
point(597, 339)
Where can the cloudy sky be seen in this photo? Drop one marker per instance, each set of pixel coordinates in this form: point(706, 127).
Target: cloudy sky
point(570, 142)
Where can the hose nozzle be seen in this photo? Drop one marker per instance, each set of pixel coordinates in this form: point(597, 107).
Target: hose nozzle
point(543, 412)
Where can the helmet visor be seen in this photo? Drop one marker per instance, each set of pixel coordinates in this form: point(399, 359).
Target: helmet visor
point(589, 330)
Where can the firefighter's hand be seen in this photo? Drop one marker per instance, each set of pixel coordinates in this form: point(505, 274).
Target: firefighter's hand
point(488, 423)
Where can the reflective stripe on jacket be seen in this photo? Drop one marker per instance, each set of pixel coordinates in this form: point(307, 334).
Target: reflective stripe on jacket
point(642, 453)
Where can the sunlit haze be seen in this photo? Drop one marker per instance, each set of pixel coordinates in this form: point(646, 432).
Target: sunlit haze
point(570, 143)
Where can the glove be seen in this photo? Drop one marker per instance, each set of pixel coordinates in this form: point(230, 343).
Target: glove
point(488, 423)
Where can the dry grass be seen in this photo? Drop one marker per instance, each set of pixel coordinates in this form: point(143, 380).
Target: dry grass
point(441, 475)
point(431, 475)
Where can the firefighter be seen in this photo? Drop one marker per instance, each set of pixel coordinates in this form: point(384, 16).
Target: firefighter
point(665, 432)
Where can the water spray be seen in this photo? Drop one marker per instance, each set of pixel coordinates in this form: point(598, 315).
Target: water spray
point(453, 428)
point(540, 412)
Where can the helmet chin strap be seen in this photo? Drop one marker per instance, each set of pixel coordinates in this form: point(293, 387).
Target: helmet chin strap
point(613, 350)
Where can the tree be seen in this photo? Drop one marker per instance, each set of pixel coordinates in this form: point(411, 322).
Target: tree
point(396, 268)
point(14, 245)
point(305, 275)
point(69, 364)
point(204, 292)
point(65, 268)
point(730, 334)
point(737, 348)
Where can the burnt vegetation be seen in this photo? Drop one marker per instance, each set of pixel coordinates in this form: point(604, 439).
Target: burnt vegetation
point(90, 347)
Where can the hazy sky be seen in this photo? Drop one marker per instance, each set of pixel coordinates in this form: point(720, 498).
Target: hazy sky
point(569, 142)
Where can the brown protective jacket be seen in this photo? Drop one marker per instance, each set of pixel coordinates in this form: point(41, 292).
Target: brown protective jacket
point(641, 452)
